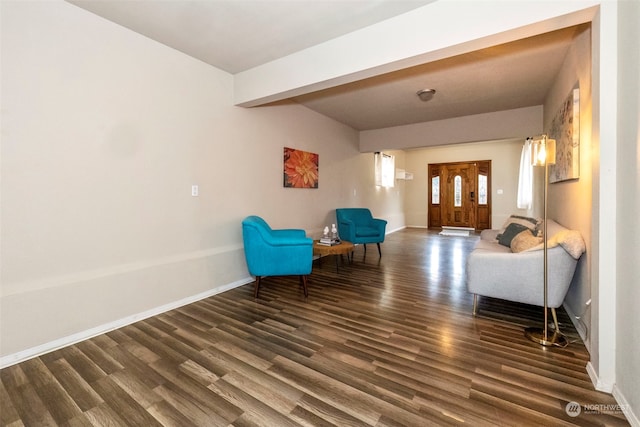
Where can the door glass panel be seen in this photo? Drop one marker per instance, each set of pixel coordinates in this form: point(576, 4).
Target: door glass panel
point(482, 189)
point(435, 190)
point(457, 191)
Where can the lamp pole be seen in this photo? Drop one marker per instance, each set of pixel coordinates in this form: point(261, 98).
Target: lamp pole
point(545, 250)
point(543, 153)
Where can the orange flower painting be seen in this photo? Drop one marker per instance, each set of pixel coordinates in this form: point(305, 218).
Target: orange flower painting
point(300, 169)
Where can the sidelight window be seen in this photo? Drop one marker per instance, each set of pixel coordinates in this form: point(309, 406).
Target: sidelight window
point(435, 190)
point(457, 191)
point(482, 189)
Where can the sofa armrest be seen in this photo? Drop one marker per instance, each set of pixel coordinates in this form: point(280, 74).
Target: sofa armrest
point(489, 234)
point(379, 224)
point(347, 230)
point(289, 233)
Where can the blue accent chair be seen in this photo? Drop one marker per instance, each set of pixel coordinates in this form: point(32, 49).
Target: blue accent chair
point(357, 225)
point(276, 252)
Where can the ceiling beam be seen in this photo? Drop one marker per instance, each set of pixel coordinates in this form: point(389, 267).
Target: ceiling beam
point(438, 30)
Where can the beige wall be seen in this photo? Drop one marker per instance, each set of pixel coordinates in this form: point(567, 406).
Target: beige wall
point(570, 202)
point(505, 164)
point(103, 133)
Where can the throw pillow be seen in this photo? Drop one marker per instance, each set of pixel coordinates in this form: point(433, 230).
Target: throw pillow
point(530, 223)
point(524, 240)
point(510, 232)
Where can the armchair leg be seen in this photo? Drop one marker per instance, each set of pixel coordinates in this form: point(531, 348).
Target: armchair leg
point(256, 287)
point(365, 248)
point(379, 251)
point(303, 282)
point(475, 304)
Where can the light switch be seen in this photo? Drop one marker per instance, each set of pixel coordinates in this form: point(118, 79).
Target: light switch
point(500, 191)
point(195, 191)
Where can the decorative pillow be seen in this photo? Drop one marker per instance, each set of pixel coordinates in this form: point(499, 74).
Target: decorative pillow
point(524, 240)
point(510, 232)
point(530, 223)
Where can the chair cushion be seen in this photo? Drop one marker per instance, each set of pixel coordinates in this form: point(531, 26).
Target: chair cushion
point(366, 232)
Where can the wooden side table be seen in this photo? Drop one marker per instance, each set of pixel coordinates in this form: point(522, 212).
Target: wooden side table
point(343, 248)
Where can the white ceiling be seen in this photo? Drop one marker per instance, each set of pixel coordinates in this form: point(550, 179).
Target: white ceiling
point(236, 35)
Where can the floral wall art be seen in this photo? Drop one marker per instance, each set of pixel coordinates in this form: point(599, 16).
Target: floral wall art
point(300, 169)
point(565, 129)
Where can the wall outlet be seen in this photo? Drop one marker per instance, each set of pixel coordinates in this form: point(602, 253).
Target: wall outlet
point(195, 191)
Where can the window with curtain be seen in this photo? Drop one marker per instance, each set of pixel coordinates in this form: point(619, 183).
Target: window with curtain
point(385, 167)
point(525, 179)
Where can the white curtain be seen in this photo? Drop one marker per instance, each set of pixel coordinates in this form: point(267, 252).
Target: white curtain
point(385, 168)
point(525, 180)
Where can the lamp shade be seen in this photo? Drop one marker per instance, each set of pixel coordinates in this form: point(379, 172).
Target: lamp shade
point(543, 151)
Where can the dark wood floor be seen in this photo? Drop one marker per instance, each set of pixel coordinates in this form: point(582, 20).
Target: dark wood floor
point(382, 342)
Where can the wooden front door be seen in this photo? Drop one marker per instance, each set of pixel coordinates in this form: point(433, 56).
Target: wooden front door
point(459, 194)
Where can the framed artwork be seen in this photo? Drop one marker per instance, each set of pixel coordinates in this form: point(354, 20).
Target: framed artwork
point(565, 129)
point(300, 169)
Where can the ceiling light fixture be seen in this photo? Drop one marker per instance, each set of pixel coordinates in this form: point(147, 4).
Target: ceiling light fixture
point(425, 94)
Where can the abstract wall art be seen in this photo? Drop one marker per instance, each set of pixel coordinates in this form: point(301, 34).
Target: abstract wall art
point(300, 169)
point(565, 129)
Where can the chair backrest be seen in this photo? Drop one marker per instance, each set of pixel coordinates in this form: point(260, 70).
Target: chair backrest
point(252, 227)
point(254, 230)
point(357, 215)
point(257, 221)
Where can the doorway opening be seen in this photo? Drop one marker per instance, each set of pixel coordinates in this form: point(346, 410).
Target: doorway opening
point(460, 195)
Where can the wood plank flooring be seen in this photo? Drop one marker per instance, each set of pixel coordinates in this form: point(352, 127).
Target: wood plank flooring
point(383, 342)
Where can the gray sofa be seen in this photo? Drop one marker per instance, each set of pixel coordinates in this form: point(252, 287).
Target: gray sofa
point(493, 270)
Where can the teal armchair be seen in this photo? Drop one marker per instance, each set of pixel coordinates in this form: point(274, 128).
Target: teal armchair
point(358, 226)
point(276, 252)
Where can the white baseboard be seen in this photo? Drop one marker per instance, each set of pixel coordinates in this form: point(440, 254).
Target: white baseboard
point(394, 230)
point(21, 356)
point(597, 383)
point(580, 327)
point(612, 389)
point(633, 418)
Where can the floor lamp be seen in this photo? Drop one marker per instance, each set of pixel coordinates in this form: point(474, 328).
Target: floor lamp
point(543, 153)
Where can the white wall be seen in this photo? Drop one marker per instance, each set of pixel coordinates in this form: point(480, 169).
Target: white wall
point(103, 133)
point(570, 202)
point(628, 296)
point(505, 164)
